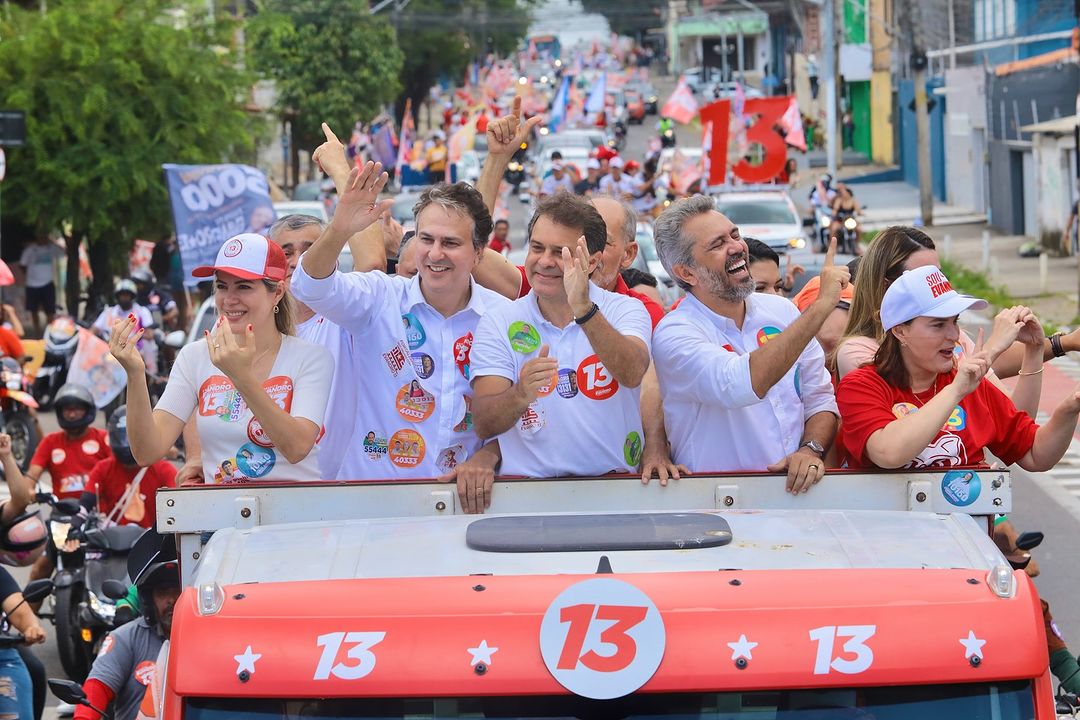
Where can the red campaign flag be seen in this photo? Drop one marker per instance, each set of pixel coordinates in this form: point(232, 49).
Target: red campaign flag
point(791, 122)
point(767, 113)
point(681, 106)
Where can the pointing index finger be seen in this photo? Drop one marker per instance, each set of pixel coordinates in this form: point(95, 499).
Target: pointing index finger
point(330, 136)
point(515, 109)
point(830, 254)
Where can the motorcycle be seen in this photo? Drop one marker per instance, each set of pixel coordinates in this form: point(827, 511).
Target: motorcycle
point(515, 175)
point(848, 240)
point(16, 403)
point(667, 138)
point(61, 340)
point(87, 553)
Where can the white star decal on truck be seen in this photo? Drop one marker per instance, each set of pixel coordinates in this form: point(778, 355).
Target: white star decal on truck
point(246, 661)
point(741, 648)
point(482, 653)
point(972, 646)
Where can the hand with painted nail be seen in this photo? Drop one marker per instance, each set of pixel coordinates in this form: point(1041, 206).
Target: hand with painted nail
point(227, 354)
point(123, 344)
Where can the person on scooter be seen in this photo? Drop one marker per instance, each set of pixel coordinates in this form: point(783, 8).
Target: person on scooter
point(18, 700)
point(68, 454)
point(157, 300)
point(124, 295)
point(842, 207)
point(124, 667)
point(119, 487)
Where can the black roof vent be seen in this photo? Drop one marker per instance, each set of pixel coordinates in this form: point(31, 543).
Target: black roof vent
point(601, 532)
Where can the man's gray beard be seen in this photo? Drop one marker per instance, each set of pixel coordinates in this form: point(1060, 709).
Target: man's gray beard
point(720, 287)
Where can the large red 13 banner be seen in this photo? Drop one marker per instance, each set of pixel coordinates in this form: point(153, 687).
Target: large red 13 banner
point(766, 114)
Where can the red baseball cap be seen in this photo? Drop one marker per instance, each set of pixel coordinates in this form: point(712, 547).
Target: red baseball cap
point(605, 153)
point(249, 256)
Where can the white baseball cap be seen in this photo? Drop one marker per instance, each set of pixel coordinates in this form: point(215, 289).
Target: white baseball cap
point(593, 164)
point(615, 162)
point(924, 292)
point(248, 256)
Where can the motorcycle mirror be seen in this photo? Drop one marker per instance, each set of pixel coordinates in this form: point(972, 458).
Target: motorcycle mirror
point(1029, 540)
point(37, 590)
point(68, 690)
point(175, 339)
point(68, 506)
point(114, 589)
point(43, 497)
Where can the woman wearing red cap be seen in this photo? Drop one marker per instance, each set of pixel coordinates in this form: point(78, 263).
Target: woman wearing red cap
point(258, 393)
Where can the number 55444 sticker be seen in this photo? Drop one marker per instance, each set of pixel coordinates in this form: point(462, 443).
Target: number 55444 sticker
point(602, 638)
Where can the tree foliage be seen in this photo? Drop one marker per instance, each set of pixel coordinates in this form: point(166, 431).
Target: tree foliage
point(112, 89)
point(628, 17)
point(441, 37)
point(330, 59)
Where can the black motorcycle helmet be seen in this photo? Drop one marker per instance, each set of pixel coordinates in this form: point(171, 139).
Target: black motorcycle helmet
point(75, 395)
point(118, 436)
point(152, 564)
point(142, 276)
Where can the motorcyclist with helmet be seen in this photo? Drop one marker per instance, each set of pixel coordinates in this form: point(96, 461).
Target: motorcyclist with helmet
point(125, 294)
point(124, 667)
point(157, 300)
point(68, 454)
point(118, 487)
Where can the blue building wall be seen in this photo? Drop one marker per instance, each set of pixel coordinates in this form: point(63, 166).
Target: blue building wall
point(996, 19)
point(909, 159)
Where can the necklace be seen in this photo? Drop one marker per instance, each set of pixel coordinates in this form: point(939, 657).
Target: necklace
point(933, 392)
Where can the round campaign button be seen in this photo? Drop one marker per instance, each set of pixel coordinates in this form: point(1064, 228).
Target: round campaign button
point(414, 403)
point(524, 338)
point(424, 364)
point(406, 448)
point(567, 383)
point(602, 638)
point(766, 334)
point(594, 381)
point(632, 448)
point(414, 331)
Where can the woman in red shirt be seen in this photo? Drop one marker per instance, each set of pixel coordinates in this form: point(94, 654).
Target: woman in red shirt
point(915, 407)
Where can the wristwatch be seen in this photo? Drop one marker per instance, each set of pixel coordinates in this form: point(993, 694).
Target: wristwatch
point(814, 447)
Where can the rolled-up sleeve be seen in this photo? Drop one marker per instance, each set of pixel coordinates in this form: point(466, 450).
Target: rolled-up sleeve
point(347, 299)
point(693, 368)
point(815, 384)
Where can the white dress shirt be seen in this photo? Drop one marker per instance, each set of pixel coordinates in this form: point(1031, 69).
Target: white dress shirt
point(340, 413)
point(714, 420)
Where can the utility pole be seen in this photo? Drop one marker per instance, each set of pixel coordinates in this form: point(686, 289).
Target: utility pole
point(916, 40)
point(830, 61)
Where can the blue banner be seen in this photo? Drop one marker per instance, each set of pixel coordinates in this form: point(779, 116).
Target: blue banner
point(212, 203)
point(558, 106)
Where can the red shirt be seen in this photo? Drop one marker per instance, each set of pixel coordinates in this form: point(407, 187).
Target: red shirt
point(10, 344)
point(69, 462)
point(655, 310)
point(109, 479)
point(497, 245)
point(986, 418)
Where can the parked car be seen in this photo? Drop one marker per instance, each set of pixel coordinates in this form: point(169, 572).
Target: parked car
point(769, 216)
point(307, 191)
point(314, 208)
point(696, 78)
point(721, 90)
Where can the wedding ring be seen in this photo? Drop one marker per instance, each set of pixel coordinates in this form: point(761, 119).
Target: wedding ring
point(814, 466)
point(218, 347)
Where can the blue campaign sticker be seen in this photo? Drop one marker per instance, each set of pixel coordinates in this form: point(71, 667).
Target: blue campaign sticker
point(798, 384)
point(414, 331)
point(961, 487)
point(255, 461)
point(423, 364)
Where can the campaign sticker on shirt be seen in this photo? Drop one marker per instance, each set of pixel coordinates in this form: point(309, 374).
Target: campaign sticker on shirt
point(374, 446)
point(406, 448)
point(450, 457)
point(395, 358)
point(91, 446)
point(423, 364)
point(218, 398)
point(594, 381)
point(566, 385)
point(545, 390)
point(798, 384)
point(532, 420)
point(257, 435)
point(903, 409)
point(466, 422)
point(73, 483)
point(414, 403)
point(632, 448)
point(961, 487)
point(144, 672)
point(280, 389)
point(414, 331)
point(255, 461)
point(728, 348)
point(106, 646)
point(957, 420)
point(766, 334)
point(462, 353)
point(524, 338)
point(58, 456)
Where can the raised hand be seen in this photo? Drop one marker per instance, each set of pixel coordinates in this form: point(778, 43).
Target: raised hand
point(834, 278)
point(1003, 334)
point(123, 345)
point(575, 267)
point(392, 233)
point(970, 372)
point(5, 445)
point(358, 205)
point(537, 373)
point(330, 157)
point(1031, 333)
point(506, 134)
point(227, 355)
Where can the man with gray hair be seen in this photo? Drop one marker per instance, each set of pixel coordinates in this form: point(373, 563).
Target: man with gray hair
point(743, 379)
point(411, 371)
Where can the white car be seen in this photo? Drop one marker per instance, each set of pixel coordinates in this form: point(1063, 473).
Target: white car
point(696, 78)
point(314, 208)
point(766, 215)
point(648, 260)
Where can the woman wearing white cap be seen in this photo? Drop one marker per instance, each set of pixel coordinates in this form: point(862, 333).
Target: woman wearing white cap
point(258, 392)
point(916, 406)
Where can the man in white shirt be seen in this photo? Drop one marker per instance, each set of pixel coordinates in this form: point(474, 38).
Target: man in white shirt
point(616, 182)
point(742, 377)
point(557, 373)
point(39, 262)
point(557, 181)
point(411, 370)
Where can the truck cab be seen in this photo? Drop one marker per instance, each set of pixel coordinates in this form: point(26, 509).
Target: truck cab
point(875, 595)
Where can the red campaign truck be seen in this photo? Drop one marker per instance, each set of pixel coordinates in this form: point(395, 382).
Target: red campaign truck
point(872, 596)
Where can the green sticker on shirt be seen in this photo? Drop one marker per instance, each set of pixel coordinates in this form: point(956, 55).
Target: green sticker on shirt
point(632, 448)
point(523, 337)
